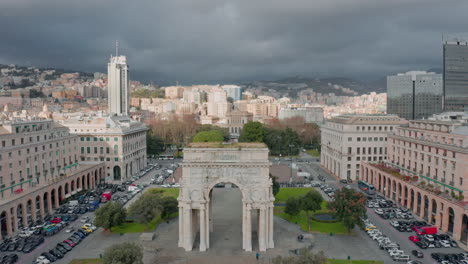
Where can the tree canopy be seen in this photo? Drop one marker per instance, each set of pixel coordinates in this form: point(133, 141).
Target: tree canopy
point(110, 215)
point(152, 205)
point(311, 201)
point(208, 136)
point(252, 132)
point(149, 93)
point(124, 253)
point(349, 207)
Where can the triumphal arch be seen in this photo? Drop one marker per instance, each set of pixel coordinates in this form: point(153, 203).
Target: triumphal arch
point(208, 164)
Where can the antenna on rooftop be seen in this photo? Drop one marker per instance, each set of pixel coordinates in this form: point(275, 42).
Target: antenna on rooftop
point(116, 48)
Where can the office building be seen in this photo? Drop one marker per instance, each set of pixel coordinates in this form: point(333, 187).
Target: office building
point(414, 94)
point(455, 76)
point(39, 167)
point(309, 114)
point(118, 141)
point(117, 87)
point(427, 171)
point(349, 139)
point(233, 91)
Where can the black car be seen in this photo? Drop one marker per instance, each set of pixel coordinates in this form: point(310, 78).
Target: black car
point(65, 245)
point(61, 249)
point(82, 232)
point(12, 247)
point(74, 239)
point(4, 246)
point(56, 253)
point(437, 256)
point(422, 244)
point(49, 256)
point(20, 246)
point(10, 259)
point(417, 253)
point(81, 235)
point(29, 247)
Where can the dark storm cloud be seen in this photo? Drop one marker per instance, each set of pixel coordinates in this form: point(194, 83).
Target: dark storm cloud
point(197, 41)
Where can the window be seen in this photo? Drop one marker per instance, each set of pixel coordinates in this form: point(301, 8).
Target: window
point(88, 150)
point(82, 139)
point(95, 139)
point(116, 139)
point(116, 159)
point(107, 139)
point(349, 158)
point(350, 139)
point(349, 166)
point(88, 139)
point(358, 139)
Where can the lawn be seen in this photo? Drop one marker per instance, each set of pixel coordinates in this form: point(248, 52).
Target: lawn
point(134, 227)
point(86, 261)
point(301, 218)
point(286, 193)
point(313, 152)
point(174, 192)
point(343, 261)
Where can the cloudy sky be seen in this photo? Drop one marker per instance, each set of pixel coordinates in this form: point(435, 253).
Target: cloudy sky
point(219, 41)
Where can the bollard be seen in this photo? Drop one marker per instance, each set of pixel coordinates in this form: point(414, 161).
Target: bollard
point(349, 257)
point(331, 234)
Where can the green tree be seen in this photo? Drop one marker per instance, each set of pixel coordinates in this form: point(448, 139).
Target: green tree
point(293, 206)
point(349, 207)
point(252, 132)
point(110, 215)
point(304, 256)
point(124, 253)
point(170, 206)
point(291, 141)
point(223, 130)
point(154, 144)
point(276, 185)
point(311, 202)
point(146, 208)
point(209, 136)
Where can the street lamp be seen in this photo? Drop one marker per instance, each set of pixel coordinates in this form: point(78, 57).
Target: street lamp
point(290, 178)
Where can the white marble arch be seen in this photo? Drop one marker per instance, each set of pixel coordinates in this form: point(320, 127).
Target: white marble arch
point(244, 164)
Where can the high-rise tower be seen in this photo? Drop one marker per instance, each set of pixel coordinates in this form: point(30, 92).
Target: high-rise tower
point(117, 85)
point(455, 76)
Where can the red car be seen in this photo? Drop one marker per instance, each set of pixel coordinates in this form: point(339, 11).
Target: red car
point(69, 242)
point(414, 238)
point(56, 220)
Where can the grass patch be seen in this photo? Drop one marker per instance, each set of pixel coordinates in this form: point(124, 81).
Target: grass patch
point(301, 218)
point(134, 227)
point(86, 261)
point(313, 153)
point(174, 192)
point(344, 261)
point(286, 193)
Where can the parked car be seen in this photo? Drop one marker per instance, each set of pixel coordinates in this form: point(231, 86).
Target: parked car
point(417, 253)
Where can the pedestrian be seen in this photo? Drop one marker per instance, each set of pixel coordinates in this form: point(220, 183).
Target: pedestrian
point(257, 256)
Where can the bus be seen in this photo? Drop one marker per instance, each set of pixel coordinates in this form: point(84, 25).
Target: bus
point(166, 157)
point(366, 187)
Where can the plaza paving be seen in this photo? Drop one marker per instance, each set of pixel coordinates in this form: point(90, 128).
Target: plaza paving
point(226, 240)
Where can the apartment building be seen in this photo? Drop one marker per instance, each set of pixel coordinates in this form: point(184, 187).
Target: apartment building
point(349, 139)
point(427, 171)
point(39, 166)
point(118, 141)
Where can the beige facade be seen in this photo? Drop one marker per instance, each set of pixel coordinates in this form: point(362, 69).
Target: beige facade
point(235, 121)
point(349, 139)
point(174, 92)
point(427, 171)
point(205, 165)
point(118, 141)
point(38, 168)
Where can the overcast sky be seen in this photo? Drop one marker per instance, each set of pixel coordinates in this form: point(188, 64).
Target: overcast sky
point(218, 41)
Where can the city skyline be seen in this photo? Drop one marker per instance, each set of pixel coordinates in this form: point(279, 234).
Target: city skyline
point(356, 39)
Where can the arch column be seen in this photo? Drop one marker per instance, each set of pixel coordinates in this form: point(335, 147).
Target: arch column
point(423, 206)
point(187, 237)
point(247, 226)
point(271, 243)
point(85, 182)
point(33, 210)
point(49, 202)
point(14, 217)
point(203, 228)
point(24, 212)
point(56, 201)
point(9, 226)
point(41, 206)
point(262, 230)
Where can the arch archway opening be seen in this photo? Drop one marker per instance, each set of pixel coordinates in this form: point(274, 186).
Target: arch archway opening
point(3, 224)
point(464, 230)
point(451, 220)
point(117, 173)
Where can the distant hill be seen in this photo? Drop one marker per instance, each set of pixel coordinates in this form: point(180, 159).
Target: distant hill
point(339, 86)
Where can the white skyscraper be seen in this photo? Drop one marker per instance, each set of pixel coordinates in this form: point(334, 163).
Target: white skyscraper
point(117, 85)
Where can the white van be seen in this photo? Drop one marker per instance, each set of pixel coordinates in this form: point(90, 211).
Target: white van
point(401, 258)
